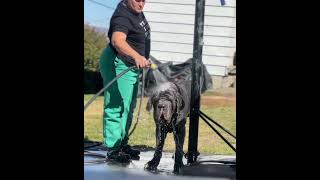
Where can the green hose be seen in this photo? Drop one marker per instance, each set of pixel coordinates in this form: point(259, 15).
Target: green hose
point(105, 87)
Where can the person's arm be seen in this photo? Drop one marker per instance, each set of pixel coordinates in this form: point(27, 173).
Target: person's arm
point(119, 42)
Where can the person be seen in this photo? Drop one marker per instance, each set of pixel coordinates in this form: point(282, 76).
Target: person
point(129, 35)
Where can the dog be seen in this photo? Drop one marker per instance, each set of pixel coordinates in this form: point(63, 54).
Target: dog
point(170, 104)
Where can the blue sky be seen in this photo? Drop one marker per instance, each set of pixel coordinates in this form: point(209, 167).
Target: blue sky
point(98, 15)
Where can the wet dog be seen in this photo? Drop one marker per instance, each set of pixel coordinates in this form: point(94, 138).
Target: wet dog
point(170, 104)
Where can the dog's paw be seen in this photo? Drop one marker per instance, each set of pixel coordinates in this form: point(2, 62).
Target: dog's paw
point(177, 168)
point(151, 166)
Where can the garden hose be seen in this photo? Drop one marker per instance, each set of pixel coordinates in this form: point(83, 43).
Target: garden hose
point(153, 66)
point(105, 87)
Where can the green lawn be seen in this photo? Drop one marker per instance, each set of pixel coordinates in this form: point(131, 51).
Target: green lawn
point(219, 109)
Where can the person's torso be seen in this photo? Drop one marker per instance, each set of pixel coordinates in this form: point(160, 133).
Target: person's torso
point(138, 36)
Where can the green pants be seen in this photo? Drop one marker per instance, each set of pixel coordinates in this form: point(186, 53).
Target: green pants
point(119, 99)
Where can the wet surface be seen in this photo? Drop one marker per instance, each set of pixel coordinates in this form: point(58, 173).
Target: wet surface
point(96, 168)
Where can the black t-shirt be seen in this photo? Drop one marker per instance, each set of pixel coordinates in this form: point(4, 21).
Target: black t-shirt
point(135, 26)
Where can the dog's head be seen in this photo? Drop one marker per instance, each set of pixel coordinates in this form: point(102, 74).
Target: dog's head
point(166, 102)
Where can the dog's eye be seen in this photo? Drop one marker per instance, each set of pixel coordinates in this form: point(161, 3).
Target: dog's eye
point(161, 106)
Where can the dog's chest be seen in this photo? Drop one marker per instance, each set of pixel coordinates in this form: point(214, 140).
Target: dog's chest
point(167, 127)
point(170, 129)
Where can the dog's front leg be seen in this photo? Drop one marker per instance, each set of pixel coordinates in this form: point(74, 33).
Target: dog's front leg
point(161, 133)
point(179, 136)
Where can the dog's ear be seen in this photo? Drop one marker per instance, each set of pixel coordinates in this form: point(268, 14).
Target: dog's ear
point(150, 102)
point(149, 105)
point(180, 106)
point(180, 102)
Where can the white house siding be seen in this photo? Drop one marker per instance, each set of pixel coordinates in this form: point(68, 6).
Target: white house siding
point(172, 27)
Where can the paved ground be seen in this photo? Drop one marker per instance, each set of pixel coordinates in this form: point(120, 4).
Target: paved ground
point(99, 169)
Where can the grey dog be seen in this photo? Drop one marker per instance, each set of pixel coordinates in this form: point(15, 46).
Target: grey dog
point(170, 103)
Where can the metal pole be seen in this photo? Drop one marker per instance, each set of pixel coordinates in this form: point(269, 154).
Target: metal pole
point(195, 88)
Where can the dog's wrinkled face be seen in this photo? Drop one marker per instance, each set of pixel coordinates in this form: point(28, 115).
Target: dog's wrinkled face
point(164, 109)
point(164, 102)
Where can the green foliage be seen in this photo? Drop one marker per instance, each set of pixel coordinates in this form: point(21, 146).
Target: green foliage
point(94, 43)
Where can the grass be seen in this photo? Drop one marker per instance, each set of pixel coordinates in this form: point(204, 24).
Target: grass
point(223, 112)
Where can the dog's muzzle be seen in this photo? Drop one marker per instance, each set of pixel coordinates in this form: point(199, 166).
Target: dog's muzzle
point(162, 116)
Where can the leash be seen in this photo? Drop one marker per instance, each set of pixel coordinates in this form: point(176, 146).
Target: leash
point(139, 110)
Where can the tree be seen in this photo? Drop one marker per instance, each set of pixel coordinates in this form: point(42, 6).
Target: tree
point(94, 43)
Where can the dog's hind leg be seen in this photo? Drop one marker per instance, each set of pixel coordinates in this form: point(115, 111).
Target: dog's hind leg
point(161, 133)
point(179, 136)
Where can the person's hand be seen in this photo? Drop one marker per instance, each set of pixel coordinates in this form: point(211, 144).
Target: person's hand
point(142, 62)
